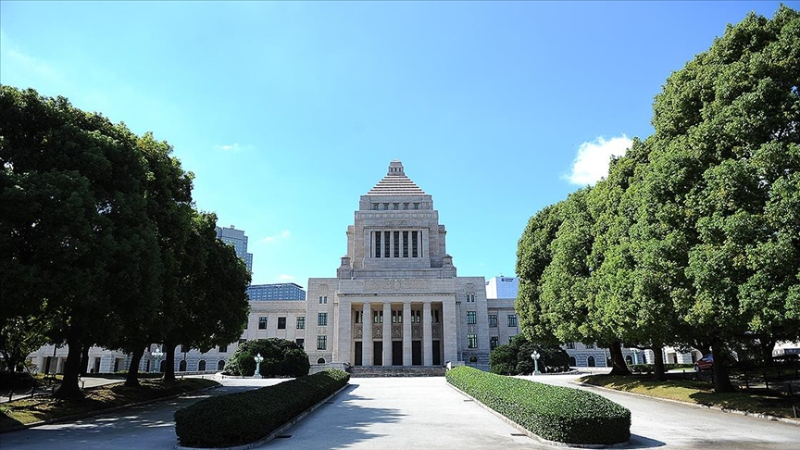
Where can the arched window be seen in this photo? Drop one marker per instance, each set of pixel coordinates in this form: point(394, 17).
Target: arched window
point(628, 359)
point(201, 366)
point(221, 365)
point(572, 361)
point(590, 361)
point(182, 366)
point(321, 361)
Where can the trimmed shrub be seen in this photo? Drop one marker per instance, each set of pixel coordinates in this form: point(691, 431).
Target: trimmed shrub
point(244, 417)
point(282, 358)
point(554, 413)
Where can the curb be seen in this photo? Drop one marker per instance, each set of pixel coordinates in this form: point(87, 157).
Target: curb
point(701, 406)
point(275, 433)
point(102, 411)
point(533, 435)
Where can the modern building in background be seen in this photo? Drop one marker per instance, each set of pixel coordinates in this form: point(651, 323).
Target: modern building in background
point(277, 291)
point(238, 240)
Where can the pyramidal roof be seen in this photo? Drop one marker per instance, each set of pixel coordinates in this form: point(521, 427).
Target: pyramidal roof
point(396, 183)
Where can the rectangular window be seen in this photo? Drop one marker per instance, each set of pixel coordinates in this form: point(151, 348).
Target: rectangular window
point(377, 244)
point(385, 206)
point(223, 349)
point(300, 342)
point(493, 342)
point(301, 323)
point(395, 205)
point(492, 320)
point(472, 317)
point(590, 346)
point(262, 323)
point(405, 205)
point(405, 244)
point(377, 316)
point(281, 323)
point(322, 342)
point(414, 244)
point(322, 319)
point(357, 317)
point(397, 316)
point(396, 252)
point(323, 299)
point(375, 206)
point(386, 244)
point(435, 314)
point(472, 341)
point(416, 205)
point(512, 320)
point(570, 345)
point(416, 316)
point(470, 298)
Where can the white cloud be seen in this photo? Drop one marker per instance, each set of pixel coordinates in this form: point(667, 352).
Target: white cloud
point(284, 277)
point(282, 235)
point(21, 65)
point(230, 147)
point(591, 162)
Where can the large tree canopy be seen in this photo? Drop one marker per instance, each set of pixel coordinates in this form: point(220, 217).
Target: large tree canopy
point(693, 238)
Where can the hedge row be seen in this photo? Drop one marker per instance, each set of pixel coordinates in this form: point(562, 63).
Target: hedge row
point(554, 413)
point(650, 368)
point(245, 417)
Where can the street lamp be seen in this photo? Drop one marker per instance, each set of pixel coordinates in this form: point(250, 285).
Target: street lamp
point(535, 356)
point(258, 359)
point(157, 355)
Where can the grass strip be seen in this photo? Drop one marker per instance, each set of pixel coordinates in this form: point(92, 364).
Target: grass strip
point(698, 392)
point(37, 409)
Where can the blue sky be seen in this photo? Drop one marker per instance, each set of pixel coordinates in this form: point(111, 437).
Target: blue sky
point(288, 112)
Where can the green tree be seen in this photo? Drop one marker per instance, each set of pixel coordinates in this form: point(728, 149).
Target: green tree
point(76, 241)
point(281, 358)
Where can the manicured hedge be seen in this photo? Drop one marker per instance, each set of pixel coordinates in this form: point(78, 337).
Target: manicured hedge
point(554, 413)
point(245, 417)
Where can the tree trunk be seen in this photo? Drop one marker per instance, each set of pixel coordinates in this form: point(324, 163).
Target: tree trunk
point(767, 345)
point(132, 379)
point(722, 381)
point(169, 362)
point(85, 360)
point(658, 362)
point(619, 366)
point(69, 385)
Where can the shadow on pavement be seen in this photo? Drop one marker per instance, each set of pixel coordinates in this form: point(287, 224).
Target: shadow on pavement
point(643, 442)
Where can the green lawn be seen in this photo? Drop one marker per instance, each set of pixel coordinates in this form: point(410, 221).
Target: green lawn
point(97, 399)
point(699, 392)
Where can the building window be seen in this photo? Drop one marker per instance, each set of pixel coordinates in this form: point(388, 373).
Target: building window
point(405, 244)
point(470, 298)
point(322, 319)
point(435, 314)
point(357, 317)
point(472, 317)
point(590, 346)
point(396, 248)
point(492, 342)
point(397, 316)
point(242, 341)
point(510, 339)
point(377, 244)
point(492, 320)
point(386, 244)
point(570, 345)
point(322, 342)
point(301, 323)
point(414, 244)
point(405, 205)
point(377, 316)
point(416, 205)
point(473, 340)
point(323, 299)
point(281, 323)
point(416, 316)
point(375, 206)
point(512, 320)
point(201, 366)
point(262, 323)
point(395, 205)
point(223, 349)
point(385, 206)
point(300, 342)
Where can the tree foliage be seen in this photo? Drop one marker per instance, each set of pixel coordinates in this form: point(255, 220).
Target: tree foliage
point(693, 238)
point(281, 358)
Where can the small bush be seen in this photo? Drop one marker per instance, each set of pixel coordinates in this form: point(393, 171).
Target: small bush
point(281, 358)
point(244, 417)
point(515, 358)
point(551, 412)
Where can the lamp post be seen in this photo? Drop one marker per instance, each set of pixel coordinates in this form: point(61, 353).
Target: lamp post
point(258, 359)
point(157, 355)
point(535, 356)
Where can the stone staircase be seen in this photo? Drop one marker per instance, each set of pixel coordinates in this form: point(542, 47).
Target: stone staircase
point(396, 371)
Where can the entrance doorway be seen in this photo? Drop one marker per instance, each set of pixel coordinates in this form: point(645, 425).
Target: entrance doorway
point(416, 353)
point(359, 355)
point(397, 353)
point(377, 353)
point(437, 356)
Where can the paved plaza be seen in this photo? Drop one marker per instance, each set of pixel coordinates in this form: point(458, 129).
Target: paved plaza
point(412, 413)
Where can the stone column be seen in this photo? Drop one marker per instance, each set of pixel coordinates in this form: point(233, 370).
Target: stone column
point(342, 341)
point(407, 333)
point(366, 346)
point(387, 334)
point(449, 330)
point(427, 343)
